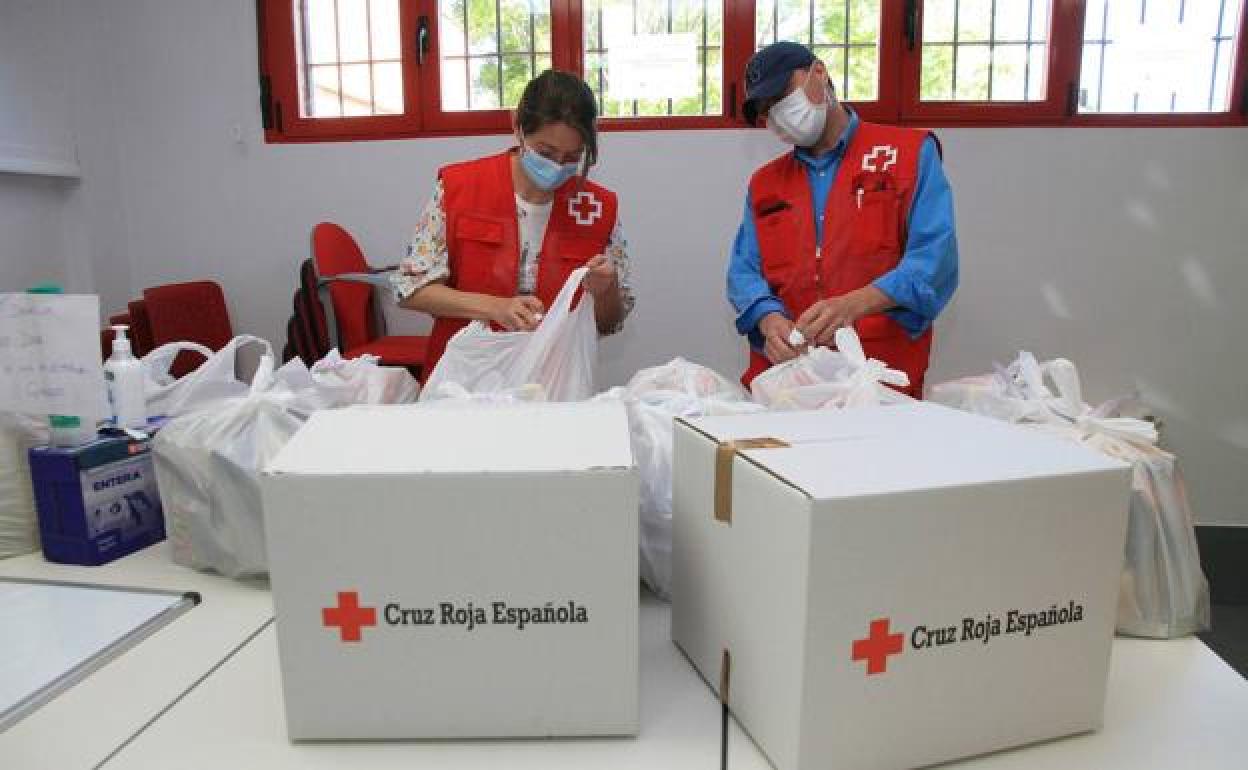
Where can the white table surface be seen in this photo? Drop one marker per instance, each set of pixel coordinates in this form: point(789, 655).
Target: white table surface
point(162, 705)
point(1170, 705)
point(84, 725)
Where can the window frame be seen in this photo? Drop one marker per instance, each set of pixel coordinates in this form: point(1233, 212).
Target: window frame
point(899, 72)
point(1061, 37)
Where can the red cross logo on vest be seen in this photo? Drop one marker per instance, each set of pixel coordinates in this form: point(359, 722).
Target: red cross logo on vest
point(878, 645)
point(349, 617)
point(880, 152)
point(585, 208)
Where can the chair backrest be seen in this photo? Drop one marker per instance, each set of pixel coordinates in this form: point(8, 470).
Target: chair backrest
point(140, 328)
point(335, 252)
point(317, 325)
point(194, 312)
point(307, 334)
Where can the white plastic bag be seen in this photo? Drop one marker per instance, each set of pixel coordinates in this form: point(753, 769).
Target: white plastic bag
point(19, 527)
point(560, 355)
point(830, 379)
point(215, 379)
point(451, 395)
point(207, 465)
point(654, 398)
point(1163, 593)
point(682, 376)
point(1025, 391)
point(208, 461)
point(361, 380)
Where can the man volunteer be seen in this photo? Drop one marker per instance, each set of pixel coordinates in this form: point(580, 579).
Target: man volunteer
point(853, 227)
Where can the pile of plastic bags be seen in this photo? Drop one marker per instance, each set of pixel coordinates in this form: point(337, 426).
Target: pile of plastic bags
point(1164, 593)
point(654, 398)
point(223, 431)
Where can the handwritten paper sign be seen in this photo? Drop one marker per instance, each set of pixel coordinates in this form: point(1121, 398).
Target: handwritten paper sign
point(50, 355)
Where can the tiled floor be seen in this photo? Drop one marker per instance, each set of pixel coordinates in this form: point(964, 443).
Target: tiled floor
point(1229, 637)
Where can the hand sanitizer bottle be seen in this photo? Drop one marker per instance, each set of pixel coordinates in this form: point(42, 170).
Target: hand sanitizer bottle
point(124, 375)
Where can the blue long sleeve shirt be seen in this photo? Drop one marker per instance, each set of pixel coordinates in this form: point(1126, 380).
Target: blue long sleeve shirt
point(922, 282)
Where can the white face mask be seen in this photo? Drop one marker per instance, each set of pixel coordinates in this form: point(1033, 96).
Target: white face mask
point(797, 120)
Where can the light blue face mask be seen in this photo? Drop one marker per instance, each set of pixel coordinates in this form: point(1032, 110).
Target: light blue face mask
point(544, 172)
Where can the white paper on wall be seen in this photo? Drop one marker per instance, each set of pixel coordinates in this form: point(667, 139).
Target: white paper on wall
point(652, 66)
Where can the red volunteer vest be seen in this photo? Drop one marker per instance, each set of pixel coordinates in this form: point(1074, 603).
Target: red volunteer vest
point(864, 236)
point(483, 237)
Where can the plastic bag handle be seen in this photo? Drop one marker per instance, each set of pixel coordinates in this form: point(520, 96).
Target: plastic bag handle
point(158, 362)
point(850, 345)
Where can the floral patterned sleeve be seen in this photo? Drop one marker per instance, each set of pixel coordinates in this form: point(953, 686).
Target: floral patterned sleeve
point(617, 250)
point(427, 260)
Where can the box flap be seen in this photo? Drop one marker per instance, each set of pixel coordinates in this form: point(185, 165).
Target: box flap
point(882, 450)
point(415, 438)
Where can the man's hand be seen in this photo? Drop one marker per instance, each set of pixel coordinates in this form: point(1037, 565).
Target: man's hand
point(775, 329)
point(821, 320)
point(601, 277)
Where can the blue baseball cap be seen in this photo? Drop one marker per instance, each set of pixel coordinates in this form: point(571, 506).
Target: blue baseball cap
point(767, 73)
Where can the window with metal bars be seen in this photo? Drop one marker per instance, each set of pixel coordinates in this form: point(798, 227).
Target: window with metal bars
point(844, 34)
point(489, 50)
point(984, 50)
point(348, 58)
point(647, 58)
point(1158, 56)
point(360, 69)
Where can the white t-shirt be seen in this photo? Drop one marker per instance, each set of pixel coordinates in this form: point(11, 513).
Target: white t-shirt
point(532, 218)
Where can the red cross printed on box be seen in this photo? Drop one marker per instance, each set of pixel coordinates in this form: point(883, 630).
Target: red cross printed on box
point(878, 645)
point(880, 152)
point(585, 208)
point(349, 617)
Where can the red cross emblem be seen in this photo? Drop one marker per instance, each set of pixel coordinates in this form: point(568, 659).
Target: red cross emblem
point(349, 616)
point(880, 152)
point(878, 645)
point(585, 208)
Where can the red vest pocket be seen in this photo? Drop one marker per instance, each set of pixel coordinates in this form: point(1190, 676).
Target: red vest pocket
point(778, 243)
point(875, 231)
point(481, 259)
point(475, 227)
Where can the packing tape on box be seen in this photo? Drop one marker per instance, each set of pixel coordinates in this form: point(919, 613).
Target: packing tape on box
point(724, 455)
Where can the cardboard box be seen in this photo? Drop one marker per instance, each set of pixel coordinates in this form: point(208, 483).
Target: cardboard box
point(895, 586)
point(454, 573)
point(97, 501)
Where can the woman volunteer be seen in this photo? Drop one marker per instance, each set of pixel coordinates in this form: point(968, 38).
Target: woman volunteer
point(502, 233)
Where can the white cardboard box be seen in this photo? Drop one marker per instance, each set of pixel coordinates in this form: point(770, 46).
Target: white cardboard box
point(858, 580)
point(491, 556)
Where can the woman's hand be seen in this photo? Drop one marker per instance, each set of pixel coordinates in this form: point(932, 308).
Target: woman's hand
point(601, 277)
point(517, 314)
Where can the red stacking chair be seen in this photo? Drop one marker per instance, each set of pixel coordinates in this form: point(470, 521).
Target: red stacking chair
point(193, 312)
point(341, 265)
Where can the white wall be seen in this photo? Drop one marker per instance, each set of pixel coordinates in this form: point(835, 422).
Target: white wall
point(1123, 250)
point(34, 124)
point(56, 75)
